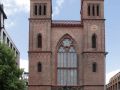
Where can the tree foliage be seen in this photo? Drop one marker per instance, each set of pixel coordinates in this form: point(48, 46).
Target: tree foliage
point(9, 71)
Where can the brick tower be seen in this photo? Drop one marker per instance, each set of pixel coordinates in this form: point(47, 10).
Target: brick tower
point(67, 55)
point(40, 44)
point(93, 55)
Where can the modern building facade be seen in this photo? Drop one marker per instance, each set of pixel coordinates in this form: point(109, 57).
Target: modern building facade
point(4, 36)
point(67, 54)
point(25, 77)
point(114, 83)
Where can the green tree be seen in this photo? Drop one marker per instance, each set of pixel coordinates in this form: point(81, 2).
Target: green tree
point(10, 73)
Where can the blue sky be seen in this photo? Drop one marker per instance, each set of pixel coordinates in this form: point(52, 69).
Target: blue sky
point(17, 26)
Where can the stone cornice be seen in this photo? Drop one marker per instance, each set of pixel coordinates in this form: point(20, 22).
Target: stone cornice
point(39, 19)
point(66, 23)
point(93, 19)
point(39, 52)
point(95, 52)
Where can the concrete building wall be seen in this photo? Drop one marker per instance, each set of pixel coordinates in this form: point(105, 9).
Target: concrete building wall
point(114, 83)
point(4, 36)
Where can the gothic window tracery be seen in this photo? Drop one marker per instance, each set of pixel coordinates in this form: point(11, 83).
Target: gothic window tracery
point(67, 63)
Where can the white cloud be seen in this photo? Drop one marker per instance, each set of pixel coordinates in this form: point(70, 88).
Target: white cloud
point(57, 8)
point(24, 64)
point(10, 24)
point(111, 74)
point(23, 4)
point(14, 6)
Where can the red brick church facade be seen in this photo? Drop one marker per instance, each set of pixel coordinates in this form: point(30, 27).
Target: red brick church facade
point(67, 55)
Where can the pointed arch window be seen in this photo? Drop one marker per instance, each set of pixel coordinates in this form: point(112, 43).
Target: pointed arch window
point(88, 9)
point(39, 41)
point(94, 67)
point(39, 67)
point(67, 63)
point(44, 11)
point(93, 10)
point(98, 9)
point(94, 37)
point(35, 9)
point(40, 10)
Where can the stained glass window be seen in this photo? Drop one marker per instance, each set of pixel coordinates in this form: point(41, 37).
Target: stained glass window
point(67, 64)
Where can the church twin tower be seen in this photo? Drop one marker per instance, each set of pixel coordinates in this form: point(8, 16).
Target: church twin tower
point(67, 55)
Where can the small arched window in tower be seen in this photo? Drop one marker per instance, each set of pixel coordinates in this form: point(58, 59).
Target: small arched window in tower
point(94, 67)
point(93, 10)
point(44, 9)
point(98, 10)
point(94, 37)
point(39, 67)
point(88, 9)
point(40, 10)
point(35, 9)
point(39, 40)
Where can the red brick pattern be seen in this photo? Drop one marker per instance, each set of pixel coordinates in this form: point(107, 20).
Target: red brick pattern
point(52, 32)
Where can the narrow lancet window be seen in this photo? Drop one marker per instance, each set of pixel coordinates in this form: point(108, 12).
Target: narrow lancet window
point(93, 10)
point(39, 41)
point(44, 10)
point(39, 67)
point(98, 10)
point(94, 37)
point(35, 9)
point(88, 10)
point(40, 11)
point(94, 67)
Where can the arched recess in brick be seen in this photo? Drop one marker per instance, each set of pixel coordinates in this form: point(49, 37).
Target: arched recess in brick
point(94, 41)
point(39, 40)
point(66, 66)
